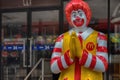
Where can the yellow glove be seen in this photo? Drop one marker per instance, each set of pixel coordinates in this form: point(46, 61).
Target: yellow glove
point(75, 46)
point(78, 46)
point(72, 45)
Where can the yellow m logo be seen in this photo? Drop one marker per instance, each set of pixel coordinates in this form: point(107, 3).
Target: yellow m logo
point(90, 46)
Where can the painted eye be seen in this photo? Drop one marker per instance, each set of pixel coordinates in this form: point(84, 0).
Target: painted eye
point(74, 14)
point(80, 13)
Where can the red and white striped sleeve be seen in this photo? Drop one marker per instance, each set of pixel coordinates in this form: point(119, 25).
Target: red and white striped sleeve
point(98, 62)
point(59, 62)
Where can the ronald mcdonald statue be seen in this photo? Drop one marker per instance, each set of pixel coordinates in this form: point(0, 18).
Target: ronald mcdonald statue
point(80, 53)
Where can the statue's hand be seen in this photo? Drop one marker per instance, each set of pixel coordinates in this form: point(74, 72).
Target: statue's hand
point(75, 46)
point(78, 46)
point(72, 45)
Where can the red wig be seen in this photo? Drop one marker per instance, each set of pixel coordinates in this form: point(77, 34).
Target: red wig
point(75, 5)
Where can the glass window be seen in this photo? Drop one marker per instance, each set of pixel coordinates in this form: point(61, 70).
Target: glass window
point(45, 28)
point(14, 32)
point(115, 40)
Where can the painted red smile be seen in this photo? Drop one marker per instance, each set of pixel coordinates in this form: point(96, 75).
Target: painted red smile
point(79, 22)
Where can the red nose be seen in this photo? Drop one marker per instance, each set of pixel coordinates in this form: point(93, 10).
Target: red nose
point(77, 18)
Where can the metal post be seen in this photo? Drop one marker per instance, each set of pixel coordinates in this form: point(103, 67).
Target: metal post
point(0, 44)
point(28, 41)
point(108, 32)
point(26, 78)
point(43, 63)
point(61, 19)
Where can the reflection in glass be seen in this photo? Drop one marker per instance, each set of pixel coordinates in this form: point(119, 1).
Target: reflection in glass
point(115, 40)
point(45, 25)
point(14, 25)
point(13, 43)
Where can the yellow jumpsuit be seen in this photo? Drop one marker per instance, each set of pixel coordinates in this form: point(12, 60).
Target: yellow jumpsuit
point(76, 69)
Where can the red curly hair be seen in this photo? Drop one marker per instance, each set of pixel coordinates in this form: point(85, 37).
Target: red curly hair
point(75, 5)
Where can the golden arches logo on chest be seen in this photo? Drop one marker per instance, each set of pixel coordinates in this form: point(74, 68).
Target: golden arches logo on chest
point(90, 46)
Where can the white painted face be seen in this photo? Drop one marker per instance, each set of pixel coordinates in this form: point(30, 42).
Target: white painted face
point(78, 18)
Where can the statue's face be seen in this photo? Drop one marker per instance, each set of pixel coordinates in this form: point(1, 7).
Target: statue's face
point(78, 18)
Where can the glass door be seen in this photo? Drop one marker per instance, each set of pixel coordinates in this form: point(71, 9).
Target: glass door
point(28, 36)
point(45, 29)
point(114, 40)
point(14, 43)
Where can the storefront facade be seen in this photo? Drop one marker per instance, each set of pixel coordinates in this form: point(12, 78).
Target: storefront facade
point(29, 28)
